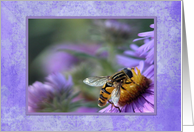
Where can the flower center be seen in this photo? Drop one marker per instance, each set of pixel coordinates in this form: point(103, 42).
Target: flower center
point(134, 89)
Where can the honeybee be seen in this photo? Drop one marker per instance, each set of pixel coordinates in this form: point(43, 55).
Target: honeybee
point(122, 87)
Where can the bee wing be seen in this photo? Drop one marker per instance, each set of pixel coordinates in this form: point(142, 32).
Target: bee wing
point(96, 80)
point(115, 95)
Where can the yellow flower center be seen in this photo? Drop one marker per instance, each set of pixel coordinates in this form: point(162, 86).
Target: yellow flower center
point(136, 86)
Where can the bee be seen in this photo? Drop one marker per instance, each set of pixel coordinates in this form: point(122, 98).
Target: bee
point(122, 87)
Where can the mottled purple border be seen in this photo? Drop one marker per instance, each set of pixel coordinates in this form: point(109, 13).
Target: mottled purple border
point(95, 17)
point(13, 68)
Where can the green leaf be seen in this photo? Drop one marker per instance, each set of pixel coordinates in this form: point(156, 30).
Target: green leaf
point(91, 104)
point(107, 67)
point(74, 95)
point(58, 110)
point(46, 110)
point(101, 49)
point(65, 94)
point(76, 104)
point(55, 102)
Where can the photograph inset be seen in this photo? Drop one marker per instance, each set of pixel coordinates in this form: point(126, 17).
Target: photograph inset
point(90, 66)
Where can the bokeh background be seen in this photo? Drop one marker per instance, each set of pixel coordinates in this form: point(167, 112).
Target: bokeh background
point(82, 48)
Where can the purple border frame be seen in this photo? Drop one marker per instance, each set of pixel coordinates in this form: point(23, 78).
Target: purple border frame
point(94, 17)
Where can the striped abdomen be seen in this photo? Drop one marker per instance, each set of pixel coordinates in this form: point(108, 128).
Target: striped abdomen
point(105, 94)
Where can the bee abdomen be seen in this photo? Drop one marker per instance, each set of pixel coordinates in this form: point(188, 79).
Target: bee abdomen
point(104, 90)
point(105, 94)
point(102, 97)
point(101, 102)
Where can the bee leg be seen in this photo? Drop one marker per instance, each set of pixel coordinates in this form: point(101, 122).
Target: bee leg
point(132, 81)
point(114, 106)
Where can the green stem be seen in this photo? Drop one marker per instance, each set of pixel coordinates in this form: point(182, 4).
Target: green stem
point(111, 53)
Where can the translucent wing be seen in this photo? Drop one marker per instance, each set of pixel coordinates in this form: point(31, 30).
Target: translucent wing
point(96, 80)
point(115, 95)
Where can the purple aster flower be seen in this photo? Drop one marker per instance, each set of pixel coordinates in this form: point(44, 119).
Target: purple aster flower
point(147, 49)
point(130, 58)
point(54, 95)
point(137, 102)
point(133, 52)
point(58, 61)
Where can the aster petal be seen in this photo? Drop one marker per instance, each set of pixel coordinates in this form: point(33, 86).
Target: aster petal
point(151, 53)
point(30, 109)
point(149, 98)
point(151, 87)
point(145, 47)
point(145, 105)
point(136, 107)
point(128, 52)
point(146, 40)
point(134, 47)
point(138, 39)
point(129, 108)
point(35, 86)
point(69, 82)
point(150, 75)
point(115, 110)
point(33, 106)
point(150, 56)
point(35, 90)
point(133, 53)
point(56, 80)
point(51, 81)
point(150, 91)
point(145, 34)
point(140, 105)
point(152, 78)
point(150, 60)
point(148, 108)
point(40, 91)
point(106, 109)
point(152, 25)
point(48, 88)
point(141, 66)
point(126, 62)
point(86, 109)
point(33, 97)
point(149, 70)
point(123, 108)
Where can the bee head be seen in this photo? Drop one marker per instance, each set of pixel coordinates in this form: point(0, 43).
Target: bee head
point(128, 72)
